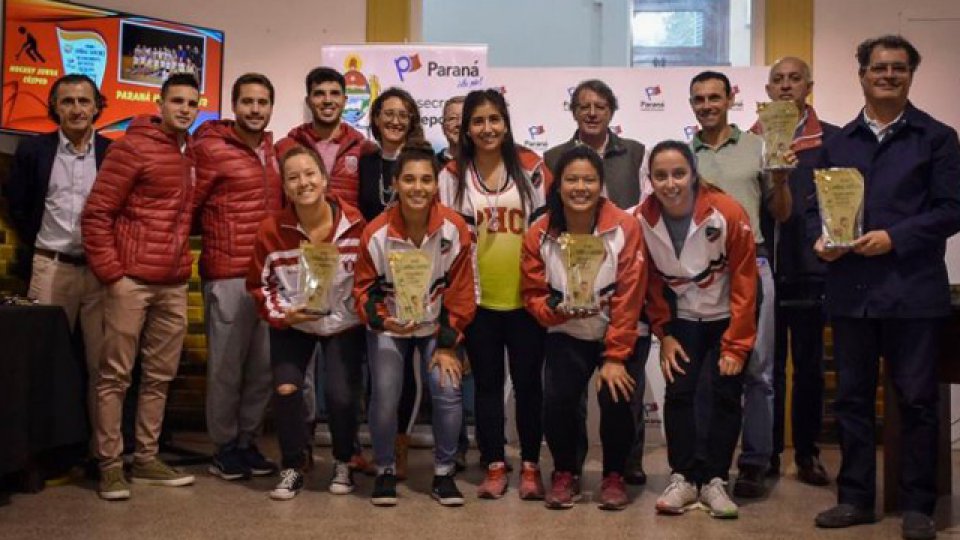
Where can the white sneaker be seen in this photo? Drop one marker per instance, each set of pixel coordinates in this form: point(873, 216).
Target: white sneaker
point(716, 501)
point(342, 481)
point(678, 497)
point(291, 482)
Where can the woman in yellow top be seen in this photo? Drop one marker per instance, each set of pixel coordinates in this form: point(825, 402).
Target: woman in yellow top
point(499, 188)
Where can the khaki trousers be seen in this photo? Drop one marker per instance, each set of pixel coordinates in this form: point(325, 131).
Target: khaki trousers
point(77, 291)
point(157, 313)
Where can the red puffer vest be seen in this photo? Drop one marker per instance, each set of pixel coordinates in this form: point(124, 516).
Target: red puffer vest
point(235, 192)
point(136, 221)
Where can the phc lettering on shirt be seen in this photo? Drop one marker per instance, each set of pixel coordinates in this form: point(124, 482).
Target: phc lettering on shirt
point(510, 220)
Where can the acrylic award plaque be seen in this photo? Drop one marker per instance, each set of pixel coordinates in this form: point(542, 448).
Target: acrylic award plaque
point(583, 255)
point(412, 271)
point(840, 196)
point(779, 121)
point(318, 266)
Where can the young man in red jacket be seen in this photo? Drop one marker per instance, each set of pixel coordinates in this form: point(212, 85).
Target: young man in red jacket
point(338, 145)
point(136, 227)
point(238, 185)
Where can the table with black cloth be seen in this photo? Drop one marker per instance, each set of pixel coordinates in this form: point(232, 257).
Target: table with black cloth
point(42, 403)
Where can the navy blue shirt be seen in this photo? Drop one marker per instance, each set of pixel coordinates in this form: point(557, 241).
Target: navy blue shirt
point(912, 191)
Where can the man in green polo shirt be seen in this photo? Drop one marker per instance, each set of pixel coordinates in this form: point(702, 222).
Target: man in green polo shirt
point(732, 160)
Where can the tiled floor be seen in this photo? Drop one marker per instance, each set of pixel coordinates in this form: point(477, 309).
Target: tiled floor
point(216, 509)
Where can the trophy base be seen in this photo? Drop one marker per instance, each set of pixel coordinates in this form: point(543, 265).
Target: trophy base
point(768, 168)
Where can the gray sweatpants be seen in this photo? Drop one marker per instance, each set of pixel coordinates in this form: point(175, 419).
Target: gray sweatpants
point(238, 363)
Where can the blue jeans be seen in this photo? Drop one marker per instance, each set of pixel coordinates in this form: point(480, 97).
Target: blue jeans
point(386, 355)
point(757, 442)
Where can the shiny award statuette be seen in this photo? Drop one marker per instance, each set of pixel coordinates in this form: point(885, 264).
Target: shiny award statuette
point(412, 271)
point(318, 266)
point(778, 119)
point(582, 256)
point(840, 195)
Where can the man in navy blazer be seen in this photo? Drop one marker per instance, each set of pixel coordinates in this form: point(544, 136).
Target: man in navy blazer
point(888, 295)
point(48, 186)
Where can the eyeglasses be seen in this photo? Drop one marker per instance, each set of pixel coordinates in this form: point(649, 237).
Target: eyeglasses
point(452, 120)
point(898, 68)
point(402, 116)
point(599, 108)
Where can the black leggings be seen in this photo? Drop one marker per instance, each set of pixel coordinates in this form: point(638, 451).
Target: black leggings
point(701, 342)
point(290, 352)
point(569, 366)
point(486, 338)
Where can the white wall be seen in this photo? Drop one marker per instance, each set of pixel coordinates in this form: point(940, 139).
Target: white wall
point(560, 33)
point(279, 38)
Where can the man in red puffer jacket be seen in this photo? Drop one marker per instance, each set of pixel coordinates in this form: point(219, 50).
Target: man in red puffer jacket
point(136, 227)
point(338, 145)
point(238, 185)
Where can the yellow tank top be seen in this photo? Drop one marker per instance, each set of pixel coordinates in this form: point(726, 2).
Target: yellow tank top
point(501, 224)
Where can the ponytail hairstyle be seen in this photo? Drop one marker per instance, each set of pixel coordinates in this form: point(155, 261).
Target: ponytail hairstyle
point(508, 148)
point(556, 216)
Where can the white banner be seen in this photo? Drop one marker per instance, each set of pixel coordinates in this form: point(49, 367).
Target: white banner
point(654, 102)
point(431, 73)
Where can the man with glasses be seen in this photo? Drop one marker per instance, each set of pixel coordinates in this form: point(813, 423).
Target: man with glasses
point(593, 104)
point(888, 294)
point(452, 116)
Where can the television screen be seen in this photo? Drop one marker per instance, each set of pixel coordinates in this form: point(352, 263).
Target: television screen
point(127, 55)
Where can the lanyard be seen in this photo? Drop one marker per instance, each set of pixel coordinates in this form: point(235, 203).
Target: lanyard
point(493, 224)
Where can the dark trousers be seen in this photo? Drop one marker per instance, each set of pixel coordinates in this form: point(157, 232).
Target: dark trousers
point(909, 348)
point(486, 338)
point(800, 316)
point(290, 352)
point(701, 341)
point(569, 365)
point(635, 367)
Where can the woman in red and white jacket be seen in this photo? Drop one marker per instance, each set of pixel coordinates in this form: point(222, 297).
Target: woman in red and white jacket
point(416, 222)
point(580, 342)
point(702, 306)
point(295, 332)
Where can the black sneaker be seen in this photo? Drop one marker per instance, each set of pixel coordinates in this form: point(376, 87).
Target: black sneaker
point(229, 465)
point(256, 462)
point(445, 491)
point(291, 482)
point(385, 489)
point(844, 515)
point(750, 483)
point(811, 471)
point(918, 526)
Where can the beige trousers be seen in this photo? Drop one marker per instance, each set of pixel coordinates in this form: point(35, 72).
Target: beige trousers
point(158, 314)
point(78, 291)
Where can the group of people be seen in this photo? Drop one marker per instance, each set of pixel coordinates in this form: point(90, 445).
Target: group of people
point(161, 62)
point(720, 259)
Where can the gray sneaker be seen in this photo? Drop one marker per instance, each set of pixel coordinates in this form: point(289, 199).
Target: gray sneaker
point(679, 496)
point(716, 501)
point(342, 481)
point(157, 473)
point(113, 485)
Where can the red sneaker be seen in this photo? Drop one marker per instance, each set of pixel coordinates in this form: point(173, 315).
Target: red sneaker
point(531, 484)
point(561, 494)
point(613, 493)
point(495, 483)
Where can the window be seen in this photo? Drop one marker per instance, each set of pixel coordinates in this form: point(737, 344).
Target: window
point(691, 32)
